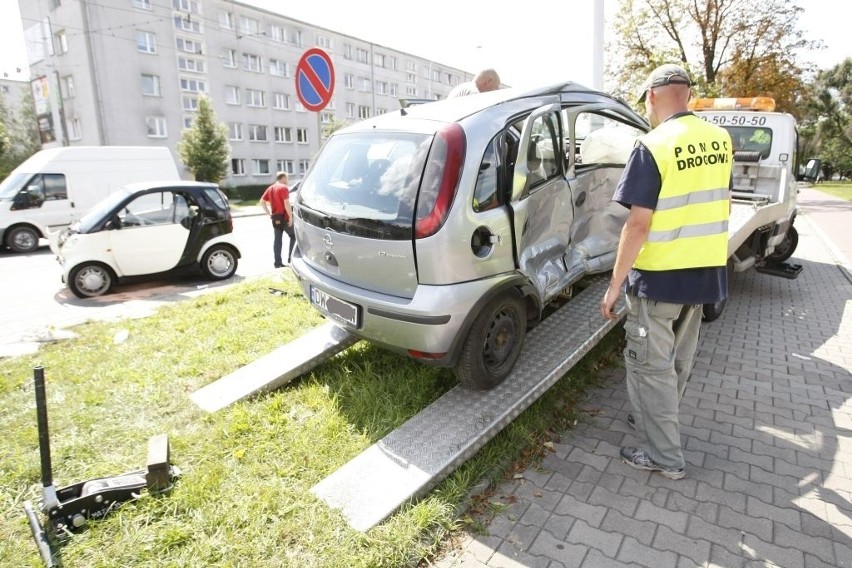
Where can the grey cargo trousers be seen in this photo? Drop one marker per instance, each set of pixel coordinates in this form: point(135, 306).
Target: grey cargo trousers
point(659, 354)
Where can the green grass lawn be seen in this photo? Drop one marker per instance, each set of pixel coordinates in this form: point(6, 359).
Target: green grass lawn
point(841, 189)
point(243, 499)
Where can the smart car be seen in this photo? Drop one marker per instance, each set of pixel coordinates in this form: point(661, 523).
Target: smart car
point(443, 231)
point(146, 229)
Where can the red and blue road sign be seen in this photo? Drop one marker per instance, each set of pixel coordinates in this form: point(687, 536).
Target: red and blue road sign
point(315, 79)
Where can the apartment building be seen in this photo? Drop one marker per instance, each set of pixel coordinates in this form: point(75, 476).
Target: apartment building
point(130, 72)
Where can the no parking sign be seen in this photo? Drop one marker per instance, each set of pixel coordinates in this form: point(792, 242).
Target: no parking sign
point(315, 79)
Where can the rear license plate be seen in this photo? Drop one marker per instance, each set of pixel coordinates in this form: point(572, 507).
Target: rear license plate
point(335, 307)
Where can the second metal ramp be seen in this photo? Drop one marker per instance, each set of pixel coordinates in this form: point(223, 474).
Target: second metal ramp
point(412, 459)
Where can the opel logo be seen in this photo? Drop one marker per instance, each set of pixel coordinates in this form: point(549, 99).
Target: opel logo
point(326, 239)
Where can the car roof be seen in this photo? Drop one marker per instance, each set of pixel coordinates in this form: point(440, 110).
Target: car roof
point(146, 185)
point(459, 108)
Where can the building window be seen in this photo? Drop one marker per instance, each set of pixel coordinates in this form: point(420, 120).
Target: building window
point(394, 88)
point(411, 90)
point(362, 55)
point(193, 86)
point(283, 134)
point(229, 58)
point(303, 166)
point(143, 4)
point(392, 63)
point(186, 6)
point(68, 87)
point(381, 87)
point(151, 85)
point(278, 67)
point(410, 66)
point(75, 132)
point(252, 62)
point(249, 26)
point(324, 41)
point(280, 101)
point(379, 60)
point(189, 46)
point(255, 98)
point(300, 107)
point(235, 131)
point(364, 84)
point(62, 42)
point(350, 110)
point(302, 135)
point(191, 64)
point(232, 95)
point(189, 102)
point(284, 166)
point(146, 42)
point(156, 126)
point(278, 33)
point(187, 121)
point(347, 51)
point(296, 38)
point(187, 24)
point(257, 133)
point(260, 167)
point(411, 77)
point(226, 20)
point(238, 166)
point(363, 111)
point(349, 81)
point(327, 117)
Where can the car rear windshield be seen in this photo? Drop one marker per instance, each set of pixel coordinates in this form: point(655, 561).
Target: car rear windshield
point(366, 183)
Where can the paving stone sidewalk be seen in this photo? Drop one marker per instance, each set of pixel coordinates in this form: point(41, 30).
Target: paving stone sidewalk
point(767, 433)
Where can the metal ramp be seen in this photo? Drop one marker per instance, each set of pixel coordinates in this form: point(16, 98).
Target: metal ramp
point(275, 369)
point(412, 459)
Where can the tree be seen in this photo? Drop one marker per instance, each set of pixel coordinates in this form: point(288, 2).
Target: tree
point(204, 147)
point(21, 133)
point(829, 116)
point(730, 47)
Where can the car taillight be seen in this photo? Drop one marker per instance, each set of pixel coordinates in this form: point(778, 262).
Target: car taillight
point(440, 180)
point(229, 219)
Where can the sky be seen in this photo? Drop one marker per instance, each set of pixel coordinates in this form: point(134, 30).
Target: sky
point(469, 34)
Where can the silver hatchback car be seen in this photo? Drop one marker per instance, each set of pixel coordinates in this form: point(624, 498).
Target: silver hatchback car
point(443, 231)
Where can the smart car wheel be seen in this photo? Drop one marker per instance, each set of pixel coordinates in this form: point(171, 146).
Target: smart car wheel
point(494, 343)
point(22, 239)
point(219, 263)
point(91, 279)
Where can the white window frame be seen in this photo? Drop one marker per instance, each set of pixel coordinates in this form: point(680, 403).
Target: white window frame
point(155, 85)
point(68, 87)
point(252, 96)
point(146, 42)
point(142, 4)
point(158, 125)
point(249, 26)
point(75, 130)
point(189, 103)
point(257, 167)
point(187, 45)
point(283, 134)
point(279, 68)
point(235, 131)
point(257, 133)
point(252, 62)
point(349, 81)
point(304, 165)
point(302, 136)
point(188, 24)
point(188, 85)
point(284, 166)
point(278, 33)
point(238, 167)
point(190, 64)
point(232, 95)
point(280, 101)
point(226, 20)
point(229, 58)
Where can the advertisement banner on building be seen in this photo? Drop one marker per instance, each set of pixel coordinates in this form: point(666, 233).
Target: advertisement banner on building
point(44, 112)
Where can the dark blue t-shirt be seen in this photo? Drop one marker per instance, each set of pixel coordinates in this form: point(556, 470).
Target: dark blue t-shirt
point(640, 185)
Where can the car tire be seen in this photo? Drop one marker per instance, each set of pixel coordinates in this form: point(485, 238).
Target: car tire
point(91, 279)
point(787, 247)
point(219, 262)
point(493, 344)
point(22, 239)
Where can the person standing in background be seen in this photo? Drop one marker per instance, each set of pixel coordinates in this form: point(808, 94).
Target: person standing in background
point(275, 201)
point(484, 81)
point(672, 255)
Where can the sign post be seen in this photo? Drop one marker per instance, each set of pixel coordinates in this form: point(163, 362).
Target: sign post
point(315, 83)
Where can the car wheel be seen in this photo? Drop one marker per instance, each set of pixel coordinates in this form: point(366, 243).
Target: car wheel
point(22, 239)
point(493, 344)
point(219, 263)
point(91, 279)
point(786, 248)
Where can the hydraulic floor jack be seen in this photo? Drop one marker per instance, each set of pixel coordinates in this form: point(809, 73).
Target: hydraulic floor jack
point(69, 508)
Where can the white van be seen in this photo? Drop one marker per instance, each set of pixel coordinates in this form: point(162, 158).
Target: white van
point(55, 187)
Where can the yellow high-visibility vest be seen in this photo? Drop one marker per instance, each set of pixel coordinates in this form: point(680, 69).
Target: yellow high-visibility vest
point(689, 227)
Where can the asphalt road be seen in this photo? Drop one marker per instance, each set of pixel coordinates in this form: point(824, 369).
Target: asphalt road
point(36, 305)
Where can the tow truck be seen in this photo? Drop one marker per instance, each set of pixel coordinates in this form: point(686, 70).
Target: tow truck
point(761, 234)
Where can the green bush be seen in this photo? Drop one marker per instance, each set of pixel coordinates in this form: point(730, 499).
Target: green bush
point(245, 192)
